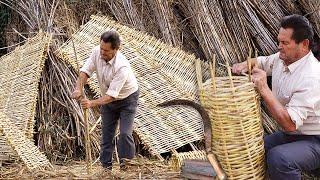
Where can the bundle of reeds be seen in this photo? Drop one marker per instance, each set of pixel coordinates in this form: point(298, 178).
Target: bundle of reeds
point(261, 36)
point(312, 9)
point(209, 28)
point(127, 13)
point(289, 6)
point(235, 21)
point(270, 13)
point(60, 121)
point(37, 14)
point(59, 130)
point(167, 22)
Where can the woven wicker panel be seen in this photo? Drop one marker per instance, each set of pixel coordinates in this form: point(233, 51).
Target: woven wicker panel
point(23, 146)
point(237, 133)
point(163, 73)
point(19, 76)
point(164, 129)
point(175, 64)
point(172, 62)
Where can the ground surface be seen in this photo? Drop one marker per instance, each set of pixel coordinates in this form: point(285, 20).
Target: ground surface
point(139, 168)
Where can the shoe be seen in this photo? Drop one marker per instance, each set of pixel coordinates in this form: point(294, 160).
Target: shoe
point(107, 166)
point(123, 165)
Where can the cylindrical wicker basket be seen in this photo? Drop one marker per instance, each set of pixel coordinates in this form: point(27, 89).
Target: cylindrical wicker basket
point(237, 133)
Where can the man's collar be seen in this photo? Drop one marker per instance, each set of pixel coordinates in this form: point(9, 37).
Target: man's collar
point(292, 67)
point(113, 59)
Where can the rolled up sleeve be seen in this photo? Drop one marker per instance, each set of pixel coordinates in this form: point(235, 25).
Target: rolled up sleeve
point(89, 66)
point(266, 63)
point(297, 115)
point(118, 81)
point(304, 102)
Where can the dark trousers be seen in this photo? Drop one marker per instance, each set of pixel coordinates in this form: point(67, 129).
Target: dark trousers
point(288, 155)
point(111, 113)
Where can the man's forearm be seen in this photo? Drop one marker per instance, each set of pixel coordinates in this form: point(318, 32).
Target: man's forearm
point(102, 100)
point(81, 81)
point(278, 111)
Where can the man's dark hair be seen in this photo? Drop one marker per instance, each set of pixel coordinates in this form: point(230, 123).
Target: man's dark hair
point(111, 37)
point(302, 28)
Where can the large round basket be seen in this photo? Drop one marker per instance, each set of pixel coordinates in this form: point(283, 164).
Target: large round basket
point(237, 133)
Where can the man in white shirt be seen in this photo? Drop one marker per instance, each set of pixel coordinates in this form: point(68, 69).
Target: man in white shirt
point(294, 101)
point(119, 96)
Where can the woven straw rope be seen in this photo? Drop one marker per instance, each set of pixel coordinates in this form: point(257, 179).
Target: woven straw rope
point(19, 77)
point(237, 134)
point(160, 77)
point(177, 158)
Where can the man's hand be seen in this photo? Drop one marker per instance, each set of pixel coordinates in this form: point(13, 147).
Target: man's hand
point(259, 78)
point(77, 95)
point(86, 103)
point(240, 68)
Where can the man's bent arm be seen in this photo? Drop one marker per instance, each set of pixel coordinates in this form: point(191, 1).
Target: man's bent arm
point(278, 111)
point(106, 99)
point(82, 79)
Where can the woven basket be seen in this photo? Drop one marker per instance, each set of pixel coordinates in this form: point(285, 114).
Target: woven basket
point(237, 133)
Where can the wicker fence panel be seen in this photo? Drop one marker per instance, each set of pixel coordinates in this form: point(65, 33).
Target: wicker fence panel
point(19, 77)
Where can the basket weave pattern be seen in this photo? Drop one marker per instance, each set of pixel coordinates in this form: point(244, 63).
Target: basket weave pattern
point(20, 74)
point(24, 147)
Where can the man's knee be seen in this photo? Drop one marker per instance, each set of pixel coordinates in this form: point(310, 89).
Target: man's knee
point(278, 159)
point(281, 165)
point(273, 140)
point(267, 143)
point(125, 136)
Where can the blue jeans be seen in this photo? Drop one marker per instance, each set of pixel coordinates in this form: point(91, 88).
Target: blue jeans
point(288, 155)
point(124, 110)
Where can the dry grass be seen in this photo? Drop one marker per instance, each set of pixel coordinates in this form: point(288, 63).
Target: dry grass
point(139, 168)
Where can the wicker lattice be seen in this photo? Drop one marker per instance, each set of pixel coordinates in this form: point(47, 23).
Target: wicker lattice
point(23, 146)
point(163, 72)
point(237, 134)
point(19, 76)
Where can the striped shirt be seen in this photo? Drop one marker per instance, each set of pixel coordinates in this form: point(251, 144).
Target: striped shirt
point(297, 87)
point(115, 77)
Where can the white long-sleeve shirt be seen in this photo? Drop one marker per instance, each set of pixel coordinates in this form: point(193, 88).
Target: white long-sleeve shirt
point(297, 87)
point(115, 77)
